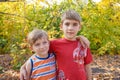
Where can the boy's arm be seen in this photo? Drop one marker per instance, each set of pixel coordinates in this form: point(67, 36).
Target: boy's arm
point(84, 41)
point(88, 71)
point(23, 72)
point(28, 69)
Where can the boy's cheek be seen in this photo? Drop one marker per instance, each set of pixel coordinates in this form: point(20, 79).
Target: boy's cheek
point(30, 48)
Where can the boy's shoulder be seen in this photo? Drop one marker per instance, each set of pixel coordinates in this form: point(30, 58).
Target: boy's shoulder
point(56, 40)
point(51, 54)
point(61, 41)
point(33, 57)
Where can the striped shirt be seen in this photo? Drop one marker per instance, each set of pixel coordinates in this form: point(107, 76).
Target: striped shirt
point(43, 68)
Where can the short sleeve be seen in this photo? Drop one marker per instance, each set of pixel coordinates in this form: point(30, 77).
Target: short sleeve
point(88, 59)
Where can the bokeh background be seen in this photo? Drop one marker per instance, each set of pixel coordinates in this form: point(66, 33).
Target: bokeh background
point(100, 24)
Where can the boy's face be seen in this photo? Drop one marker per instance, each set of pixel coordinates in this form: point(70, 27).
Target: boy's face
point(70, 28)
point(41, 47)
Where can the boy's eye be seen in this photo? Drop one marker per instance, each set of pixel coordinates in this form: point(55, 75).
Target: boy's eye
point(37, 44)
point(44, 42)
point(67, 24)
point(75, 24)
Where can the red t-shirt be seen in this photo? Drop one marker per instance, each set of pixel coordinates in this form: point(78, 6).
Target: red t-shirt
point(68, 68)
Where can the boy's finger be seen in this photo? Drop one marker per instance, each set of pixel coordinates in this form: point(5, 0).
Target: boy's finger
point(84, 41)
point(21, 77)
point(83, 44)
point(25, 75)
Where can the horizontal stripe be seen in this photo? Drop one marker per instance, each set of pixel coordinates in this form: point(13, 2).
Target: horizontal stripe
point(53, 78)
point(43, 69)
point(40, 70)
point(44, 65)
point(45, 73)
point(38, 62)
point(43, 62)
point(50, 77)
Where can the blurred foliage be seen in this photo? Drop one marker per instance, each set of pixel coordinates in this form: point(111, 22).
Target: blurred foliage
point(100, 24)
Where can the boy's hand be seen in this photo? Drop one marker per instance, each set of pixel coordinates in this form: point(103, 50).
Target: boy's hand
point(84, 41)
point(23, 73)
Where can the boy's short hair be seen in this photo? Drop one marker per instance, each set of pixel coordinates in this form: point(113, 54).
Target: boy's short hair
point(35, 35)
point(70, 14)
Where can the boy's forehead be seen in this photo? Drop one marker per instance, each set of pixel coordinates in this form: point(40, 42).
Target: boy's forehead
point(43, 38)
point(71, 21)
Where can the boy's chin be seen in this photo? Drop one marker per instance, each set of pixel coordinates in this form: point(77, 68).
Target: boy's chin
point(71, 38)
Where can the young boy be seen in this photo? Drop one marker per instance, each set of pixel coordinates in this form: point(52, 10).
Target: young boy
point(41, 65)
point(73, 60)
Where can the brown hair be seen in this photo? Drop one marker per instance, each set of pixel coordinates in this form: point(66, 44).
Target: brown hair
point(70, 14)
point(35, 35)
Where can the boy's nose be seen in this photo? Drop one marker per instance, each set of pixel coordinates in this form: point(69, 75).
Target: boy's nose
point(70, 27)
point(41, 46)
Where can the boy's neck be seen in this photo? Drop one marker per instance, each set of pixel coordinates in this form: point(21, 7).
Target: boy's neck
point(42, 56)
point(73, 39)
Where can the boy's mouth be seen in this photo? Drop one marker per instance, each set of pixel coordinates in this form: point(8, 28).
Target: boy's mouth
point(71, 33)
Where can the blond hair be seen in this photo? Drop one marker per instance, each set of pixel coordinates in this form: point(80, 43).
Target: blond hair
point(35, 35)
point(71, 14)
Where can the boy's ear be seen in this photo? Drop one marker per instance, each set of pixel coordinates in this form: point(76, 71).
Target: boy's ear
point(31, 48)
point(61, 26)
point(80, 27)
